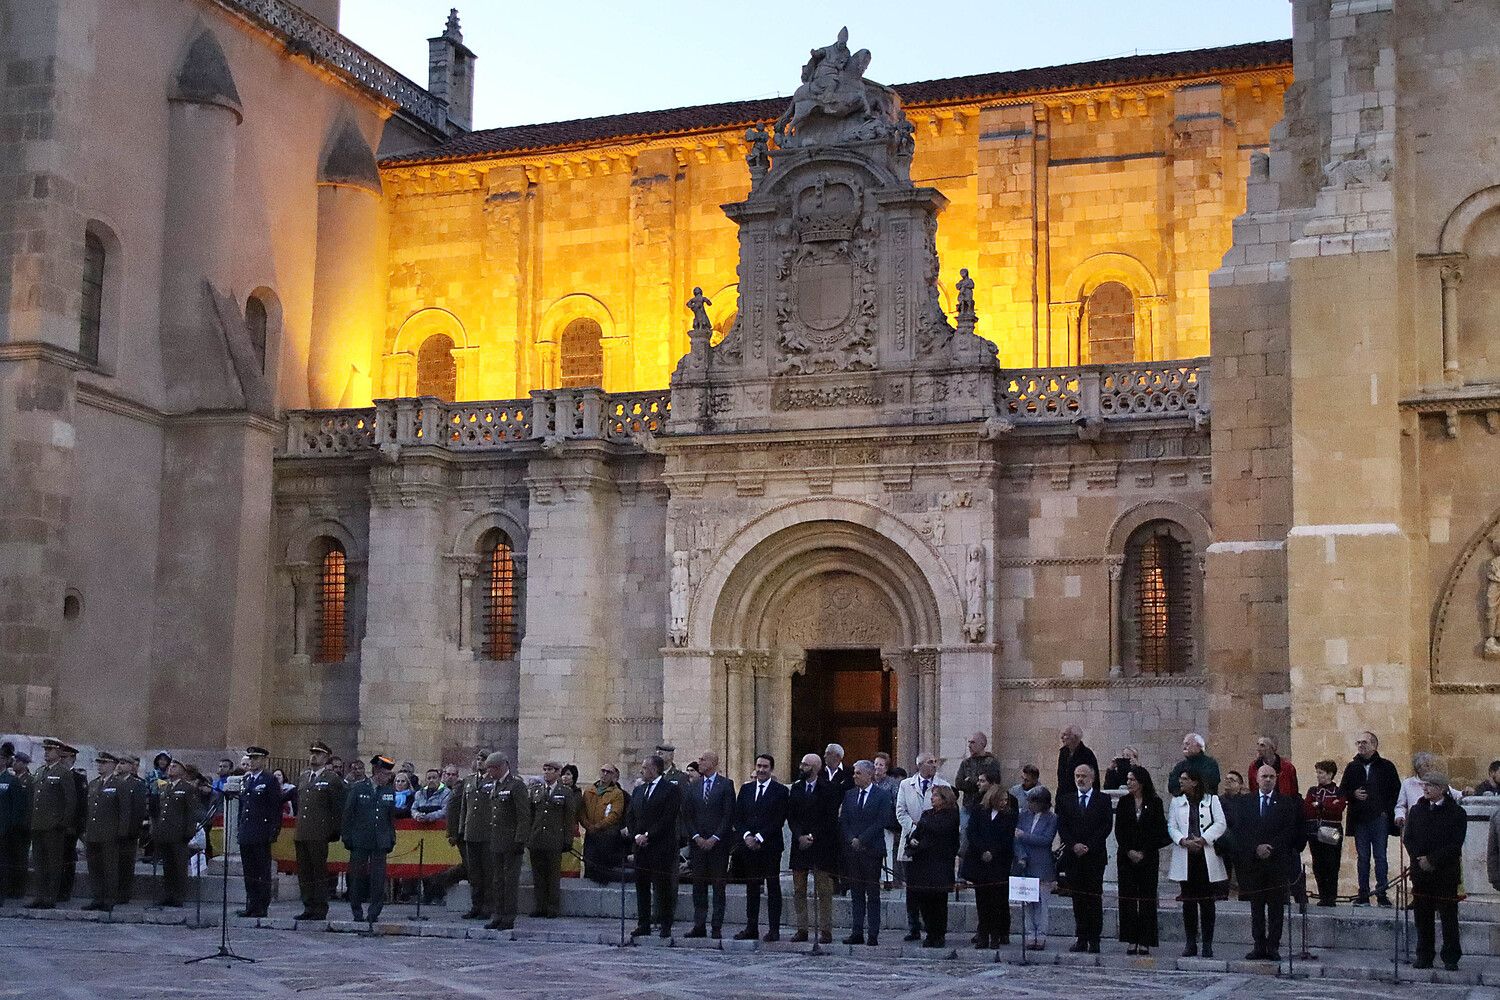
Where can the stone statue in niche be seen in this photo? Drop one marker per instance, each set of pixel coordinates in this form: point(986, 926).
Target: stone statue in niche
point(974, 592)
point(678, 630)
point(757, 156)
point(1492, 603)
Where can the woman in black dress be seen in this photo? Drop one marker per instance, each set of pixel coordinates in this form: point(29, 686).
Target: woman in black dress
point(1141, 833)
point(991, 849)
point(933, 845)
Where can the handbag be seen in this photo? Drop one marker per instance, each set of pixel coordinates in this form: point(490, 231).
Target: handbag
point(1330, 835)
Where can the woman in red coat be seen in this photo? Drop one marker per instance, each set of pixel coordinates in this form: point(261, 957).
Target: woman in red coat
point(1323, 809)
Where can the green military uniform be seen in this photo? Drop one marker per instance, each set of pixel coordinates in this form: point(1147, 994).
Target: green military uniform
point(554, 811)
point(476, 834)
point(510, 825)
point(179, 811)
point(369, 832)
point(320, 807)
point(106, 813)
point(54, 802)
point(75, 831)
point(133, 791)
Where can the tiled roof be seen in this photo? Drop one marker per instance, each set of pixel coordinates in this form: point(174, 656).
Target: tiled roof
point(733, 114)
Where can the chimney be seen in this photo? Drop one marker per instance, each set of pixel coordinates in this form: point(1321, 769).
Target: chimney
point(450, 72)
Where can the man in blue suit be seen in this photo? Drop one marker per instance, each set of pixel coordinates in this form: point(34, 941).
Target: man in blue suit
point(862, 821)
point(760, 816)
point(260, 824)
point(708, 818)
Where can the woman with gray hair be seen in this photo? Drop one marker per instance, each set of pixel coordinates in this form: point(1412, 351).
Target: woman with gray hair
point(1035, 831)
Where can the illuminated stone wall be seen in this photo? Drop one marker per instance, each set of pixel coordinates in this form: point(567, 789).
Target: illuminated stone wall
point(1048, 198)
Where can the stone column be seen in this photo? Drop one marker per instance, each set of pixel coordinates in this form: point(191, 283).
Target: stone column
point(406, 630)
point(1451, 276)
point(348, 312)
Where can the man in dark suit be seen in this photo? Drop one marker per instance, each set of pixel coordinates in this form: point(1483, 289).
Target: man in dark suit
point(1434, 834)
point(708, 817)
point(260, 825)
point(651, 825)
point(834, 771)
point(1265, 831)
point(813, 818)
point(760, 814)
point(1084, 821)
point(862, 821)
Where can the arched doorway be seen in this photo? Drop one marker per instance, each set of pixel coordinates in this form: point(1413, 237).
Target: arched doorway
point(825, 631)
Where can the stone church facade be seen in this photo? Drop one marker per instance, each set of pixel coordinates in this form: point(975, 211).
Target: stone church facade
point(1151, 395)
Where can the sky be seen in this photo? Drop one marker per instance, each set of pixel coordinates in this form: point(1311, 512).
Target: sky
point(540, 62)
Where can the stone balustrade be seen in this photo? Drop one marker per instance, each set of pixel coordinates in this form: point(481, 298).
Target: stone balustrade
point(1088, 394)
point(1091, 393)
point(308, 36)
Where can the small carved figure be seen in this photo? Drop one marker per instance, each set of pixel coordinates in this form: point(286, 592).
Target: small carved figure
point(757, 157)
point(965, 297)
point(699, 304)
point(974, 593)
point(678, 631)
point(1492, 603)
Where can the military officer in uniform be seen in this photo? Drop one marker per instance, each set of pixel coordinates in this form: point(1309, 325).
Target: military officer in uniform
point(369, 832)
point(15, 825)
point(105, 813)
point(510, 828)
point(554, 811)
point(75, 828)
point(179, 811)
point(134, 792)
point(260, 825)
point(476, 835)
point(54, 801)
point(320, 806)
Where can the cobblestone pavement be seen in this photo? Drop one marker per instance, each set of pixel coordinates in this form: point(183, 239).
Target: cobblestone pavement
point(74, 961)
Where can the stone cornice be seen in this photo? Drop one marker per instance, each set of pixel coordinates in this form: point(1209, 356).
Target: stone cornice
point(35, 350)
point(1099, 683)
point(101, 398)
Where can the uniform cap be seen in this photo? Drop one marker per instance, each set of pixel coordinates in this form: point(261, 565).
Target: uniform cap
point(68, 749)
point(495, 759)
point(52, 743)
point(131, 758)
point(257, 752)
point(665, 748)
point(382, 763)
point(318, 746)
point(106, 757)
point(22, 757)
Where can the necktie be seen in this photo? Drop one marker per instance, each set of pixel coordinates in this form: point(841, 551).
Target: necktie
point(759, 787)
point(649, 789)
point(1084, 801)
point(925, 783)
point(862, 799)
point(708, 786)
point(1265, 803)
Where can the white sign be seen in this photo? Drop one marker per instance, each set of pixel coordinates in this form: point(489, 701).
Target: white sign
point(1025, 890)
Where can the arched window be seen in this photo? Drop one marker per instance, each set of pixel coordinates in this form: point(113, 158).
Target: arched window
point(437, 372)
point(499, 575)
point(1109, 325)
point(91, 310)
point(330, 644)
point(582, 354)
point(257, 322)
point(1157, 600)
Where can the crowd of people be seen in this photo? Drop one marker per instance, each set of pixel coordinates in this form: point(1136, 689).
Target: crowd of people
point(861, 829)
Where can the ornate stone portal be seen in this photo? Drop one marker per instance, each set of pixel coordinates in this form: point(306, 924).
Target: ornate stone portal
point(839, 321)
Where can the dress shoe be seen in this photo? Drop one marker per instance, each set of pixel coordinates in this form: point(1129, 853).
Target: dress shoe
point(933, 943)
point(716, 933)
point(1208, 951)
point(359, 914)
point(1270, 956)
point(665, 932)
point(748, 934)
point(1361, 900)
point(537, 915)
point(855, 939)
point(1451, 966)
point(171, 904)
point(499, 925)
point(826, 937)
point(913, 936)
point(1255, 955)
point(473, 913)
point(1190, 951)
point(1093, 947)
point(640, 932)
point(1422, 963)
point(872, 941)
point(799, 937)
point(976, 939)
point(1327, 902)
point(772, 936)
point(696, 932)
point(244, 913)
point(89, 907)
point(1383, 899)
point(982, 944)
point(305, 915)
point(1078, 946)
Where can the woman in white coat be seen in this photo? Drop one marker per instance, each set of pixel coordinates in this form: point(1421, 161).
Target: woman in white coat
point(1194, 822)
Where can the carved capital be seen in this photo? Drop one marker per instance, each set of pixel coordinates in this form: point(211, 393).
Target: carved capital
point(1451, 275)
point(1116, 566)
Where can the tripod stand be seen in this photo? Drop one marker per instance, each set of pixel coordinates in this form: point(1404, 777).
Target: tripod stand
point(224, 950)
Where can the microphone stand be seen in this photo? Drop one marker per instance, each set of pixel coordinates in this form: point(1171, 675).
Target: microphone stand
point(224, 949)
